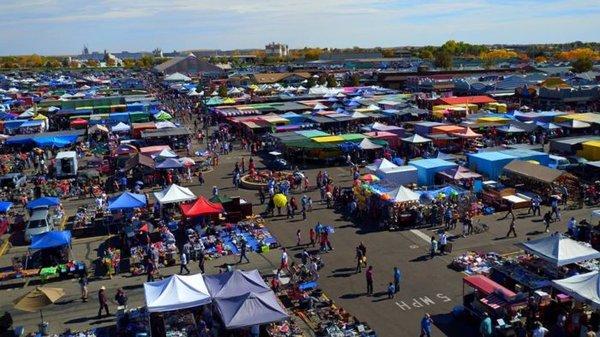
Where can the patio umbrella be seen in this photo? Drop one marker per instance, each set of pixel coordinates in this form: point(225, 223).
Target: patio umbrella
point(369, 177)
point(38, 298)
point(187, 161)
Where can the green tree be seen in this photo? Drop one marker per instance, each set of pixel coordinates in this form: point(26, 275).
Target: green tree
point(582, 64)
point(331, 81)
point(443, 59)
point(322, 80)
point(425, 54)
point(353, 80)
point(222, 91)
point(311, 82)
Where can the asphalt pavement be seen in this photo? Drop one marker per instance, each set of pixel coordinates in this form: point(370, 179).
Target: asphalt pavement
point(427, 286)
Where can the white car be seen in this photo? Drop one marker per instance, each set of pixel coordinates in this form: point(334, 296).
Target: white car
point(39, 222)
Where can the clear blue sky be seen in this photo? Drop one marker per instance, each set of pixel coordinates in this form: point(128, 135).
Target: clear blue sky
point(64, 26)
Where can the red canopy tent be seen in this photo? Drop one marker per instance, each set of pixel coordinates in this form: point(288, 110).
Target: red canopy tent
point(78, 122)
point(201, 207)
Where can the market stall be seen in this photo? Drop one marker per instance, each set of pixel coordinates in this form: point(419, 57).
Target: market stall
point(540, 179)
point(428, 168)
point(560, 250)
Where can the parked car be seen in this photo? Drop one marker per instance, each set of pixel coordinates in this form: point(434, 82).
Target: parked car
point(13, 180)
point(39, 222)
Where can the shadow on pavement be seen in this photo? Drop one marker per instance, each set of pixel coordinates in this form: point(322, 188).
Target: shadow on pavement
point(352, 296)
point(454, 327)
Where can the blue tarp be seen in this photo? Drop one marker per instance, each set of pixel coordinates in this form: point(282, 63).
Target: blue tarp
point(32, 123)
point(43, 201)
point(50, 240)
point(348, 147)
point(427, 168)
point(5, 206)
point(127, 200)
point(490, 163)
point(61, 141)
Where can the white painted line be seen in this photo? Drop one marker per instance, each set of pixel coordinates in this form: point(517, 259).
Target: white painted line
point(421, 235)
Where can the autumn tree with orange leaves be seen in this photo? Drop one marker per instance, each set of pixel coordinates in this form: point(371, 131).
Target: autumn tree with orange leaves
point(493, 56)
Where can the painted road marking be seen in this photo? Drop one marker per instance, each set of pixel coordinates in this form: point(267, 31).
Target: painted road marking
point(422, 301)
point(421, 235)
point(413, 246)
point(4, 247)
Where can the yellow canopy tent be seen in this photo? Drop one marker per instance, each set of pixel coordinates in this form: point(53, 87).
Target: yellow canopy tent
point(328, 139)
point(590, 150)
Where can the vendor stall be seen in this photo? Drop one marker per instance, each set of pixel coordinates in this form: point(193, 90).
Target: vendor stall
point(427, 169)
point(560, 250)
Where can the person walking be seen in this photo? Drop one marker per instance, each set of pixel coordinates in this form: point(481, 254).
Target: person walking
point(201, 261)
point(83, 283)
point(359, 260)
point(298, 238)
point(121, 297)
point(312, 235)
point(369, 278)
point(547, 220)
point(391, 291)
point(102, 301)
point(183, 261)
point(397, 278)
point(511, 228)
point(150, 268)
point(243, 251)
point(284, 260)
point(426, 325)
point(433, 248)
point(443, 242)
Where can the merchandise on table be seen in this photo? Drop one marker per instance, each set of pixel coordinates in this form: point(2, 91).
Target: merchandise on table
point(226, 241)
point(476, 263)
point(132, 322)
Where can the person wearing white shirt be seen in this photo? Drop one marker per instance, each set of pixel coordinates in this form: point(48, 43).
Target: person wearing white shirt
point(539, 330)
point(443, 241)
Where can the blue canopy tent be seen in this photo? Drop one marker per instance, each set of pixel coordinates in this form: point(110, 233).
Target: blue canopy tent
point(43, 202)
point(5, 206)
point(127, 200)
point(489, 163)
point(427, 168)
point(51, 240)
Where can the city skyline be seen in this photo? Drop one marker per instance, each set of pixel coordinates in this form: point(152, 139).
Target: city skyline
point(52, 27)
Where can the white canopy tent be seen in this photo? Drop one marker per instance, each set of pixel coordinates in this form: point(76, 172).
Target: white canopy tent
point(177, 77)
point(167, 153)
point(366, 144)
point(121, 127)
point(416, 139)
point(176, 292)
point(381, 164)
point(173, 194)
point(583, 287)
point(403, 194)
point(560, 250)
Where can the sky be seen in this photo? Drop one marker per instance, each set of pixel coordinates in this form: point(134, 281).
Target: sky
point(62, 27)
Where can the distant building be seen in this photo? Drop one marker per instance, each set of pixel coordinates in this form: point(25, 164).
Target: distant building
point(187, 65)
point(276, 49)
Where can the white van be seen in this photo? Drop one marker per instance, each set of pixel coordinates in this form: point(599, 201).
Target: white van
point(558, 162)
point(66, 164)
point(39, 222)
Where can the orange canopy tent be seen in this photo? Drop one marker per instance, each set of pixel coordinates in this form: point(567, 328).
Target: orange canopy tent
point(201, 207)
point(468, 134)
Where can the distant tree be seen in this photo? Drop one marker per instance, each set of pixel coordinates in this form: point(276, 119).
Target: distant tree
point(322, 80)
point(425, 54)
point(353, 80)
point(54, 63)
point(443, 59)
point(579, 53)
point(331, 81)
point(540, 59)
point(223, 91)
point(388, 53)
point(312, 54)
point(110, 62)
point(92, 63)
point(490, 58)
point(311, 82)
point(129, 63)
point(582, 64)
